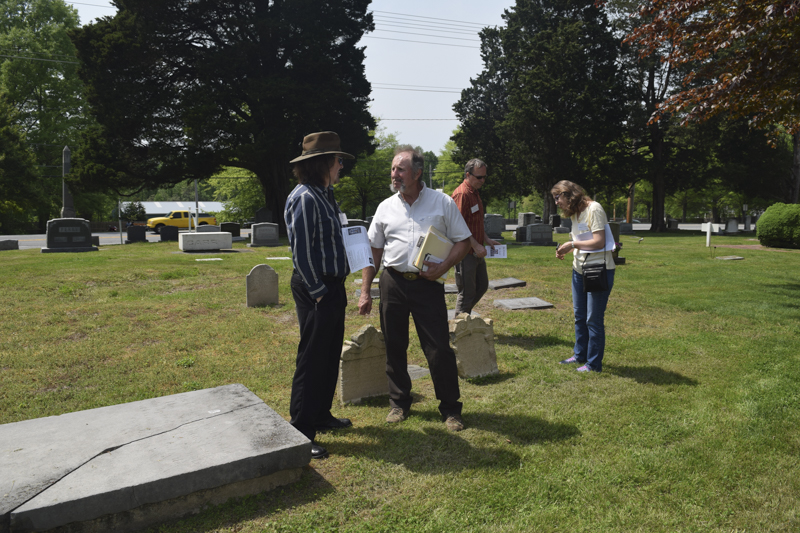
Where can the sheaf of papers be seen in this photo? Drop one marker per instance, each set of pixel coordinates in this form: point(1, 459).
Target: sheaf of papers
point(356, 242)
point(588, 235)
point(498, 251)
point(432, 247)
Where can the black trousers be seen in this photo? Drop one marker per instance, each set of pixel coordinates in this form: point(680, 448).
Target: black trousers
point(424, 301)
point(317, 367)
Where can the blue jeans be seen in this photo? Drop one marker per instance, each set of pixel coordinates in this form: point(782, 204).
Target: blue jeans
point(590, 329)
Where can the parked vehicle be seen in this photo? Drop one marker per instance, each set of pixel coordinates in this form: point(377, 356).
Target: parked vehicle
point(179, 219)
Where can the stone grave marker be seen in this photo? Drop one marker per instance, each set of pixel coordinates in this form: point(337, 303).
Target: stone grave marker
point(362, 367)
point(207, 228)
point(730, 258)
point(566, 222)
point(8, 244)
point(202, 242)
point(561, 229)
point(526, 219)
point(231, 227)
point(69, 235)
point(615, 229)
point(136, 234)
point(555, 221)
point(169, 234)
point(625, 228)
point(262, 286)
point(732, 226)
point(494, 225)
point(375, 292)
point(539, 235)
point(265, 234)
point(472, 340)
point(522, 303)
point(520, 234)
point(131, 466)
point(747, 222)
point(506, 283)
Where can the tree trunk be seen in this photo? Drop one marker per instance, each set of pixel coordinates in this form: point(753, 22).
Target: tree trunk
point(629, 211)
point(796, 170)
point(658, 149)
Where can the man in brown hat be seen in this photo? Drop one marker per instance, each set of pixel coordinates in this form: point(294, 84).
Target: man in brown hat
point(396, 227)
point(314, 225)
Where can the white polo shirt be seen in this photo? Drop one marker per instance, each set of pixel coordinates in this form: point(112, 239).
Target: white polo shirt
point(397, 226)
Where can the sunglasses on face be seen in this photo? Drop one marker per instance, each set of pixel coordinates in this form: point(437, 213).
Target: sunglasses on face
point(477, 177)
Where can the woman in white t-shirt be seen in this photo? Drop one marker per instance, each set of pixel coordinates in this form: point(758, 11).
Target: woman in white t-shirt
point(589, 223)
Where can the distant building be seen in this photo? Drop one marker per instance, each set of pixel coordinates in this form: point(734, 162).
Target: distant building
point(159, 209)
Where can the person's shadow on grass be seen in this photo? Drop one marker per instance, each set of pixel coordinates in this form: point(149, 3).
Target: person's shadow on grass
point(650, 374)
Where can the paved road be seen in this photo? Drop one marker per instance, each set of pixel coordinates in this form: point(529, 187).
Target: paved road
point(106, 238)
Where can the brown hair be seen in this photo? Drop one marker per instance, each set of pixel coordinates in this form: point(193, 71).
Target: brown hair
point(577, 199)
point(314, 170)
point(472, 164)
point(417, 160)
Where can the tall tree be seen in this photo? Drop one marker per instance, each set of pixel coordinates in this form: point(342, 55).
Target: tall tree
point(181, 88)
point(19, 183)
point(741, 56)
point(363, 187)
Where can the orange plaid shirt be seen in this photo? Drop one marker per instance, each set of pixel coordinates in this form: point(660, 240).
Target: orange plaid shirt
point(466, 199)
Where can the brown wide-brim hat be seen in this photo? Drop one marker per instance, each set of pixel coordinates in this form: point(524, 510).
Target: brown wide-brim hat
point(321, 143)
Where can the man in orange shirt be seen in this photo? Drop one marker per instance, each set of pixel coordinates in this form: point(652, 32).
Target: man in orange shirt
point(472, 279)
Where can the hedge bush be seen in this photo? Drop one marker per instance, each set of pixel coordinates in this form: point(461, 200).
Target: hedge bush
point(779, 226)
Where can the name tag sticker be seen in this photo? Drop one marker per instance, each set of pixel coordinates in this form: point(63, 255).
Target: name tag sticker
point(474, 208)
point(583, 227)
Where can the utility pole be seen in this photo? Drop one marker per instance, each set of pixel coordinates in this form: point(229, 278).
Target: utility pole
point(67, 207)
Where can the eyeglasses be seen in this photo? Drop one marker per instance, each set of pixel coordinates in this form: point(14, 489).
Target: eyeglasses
point(476, 177)
point(341, 160)
point(557, 196)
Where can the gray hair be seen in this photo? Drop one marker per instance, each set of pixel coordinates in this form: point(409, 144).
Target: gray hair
point(417, 161)
point(472, 164)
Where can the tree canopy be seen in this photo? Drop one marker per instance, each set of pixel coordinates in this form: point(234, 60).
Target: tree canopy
point(742, 57)
point(182, 88)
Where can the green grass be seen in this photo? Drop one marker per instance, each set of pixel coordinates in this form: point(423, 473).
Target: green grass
point(694, 425)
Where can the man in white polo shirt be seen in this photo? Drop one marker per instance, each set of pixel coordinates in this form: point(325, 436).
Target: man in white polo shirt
point(399, 222)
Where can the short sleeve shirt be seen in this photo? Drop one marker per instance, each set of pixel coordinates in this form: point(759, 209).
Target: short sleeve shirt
point(471, 207)
point(594, 219)
point(397, 226)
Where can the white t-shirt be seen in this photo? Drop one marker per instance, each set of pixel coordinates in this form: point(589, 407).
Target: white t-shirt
point(397, 226)
point(592, 219)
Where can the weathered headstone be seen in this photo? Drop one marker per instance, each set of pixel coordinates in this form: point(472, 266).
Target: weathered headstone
point(539, 235)
point(262, 286)
point(362, 367)
point(625, 228)
point(494, 225)
point(522, 303)
point(231, 227)
point(136, 234)
point(615, 227)
point(69, 235)
point(506, 283)
point(566, 222)
point(203, 242)
point(732, 226)
point(263, 215)
point(208, 228)
point(131, 466)
point(265, 234)
point(9, 244)
point(747, 222)
point(472, 340)
point(520, 234)
point(526, 219)
point(672, 223)
point(169, 233)
point(555, 221)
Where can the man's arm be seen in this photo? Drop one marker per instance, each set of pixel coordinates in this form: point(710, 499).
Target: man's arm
point(477, 248)
point(367, 275)
point(436, 270)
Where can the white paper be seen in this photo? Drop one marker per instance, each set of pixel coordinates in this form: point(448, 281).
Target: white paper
point(609, 242)
point(433, 259)
point(500, 251)
point(356, 242)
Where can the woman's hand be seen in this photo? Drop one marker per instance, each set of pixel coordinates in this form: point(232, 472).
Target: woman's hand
point(565, 248)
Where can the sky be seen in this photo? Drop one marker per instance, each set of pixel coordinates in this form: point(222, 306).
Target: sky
point(414, 84)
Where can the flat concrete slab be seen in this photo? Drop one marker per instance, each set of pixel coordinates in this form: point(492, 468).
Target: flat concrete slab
point(450, 288)
point(730, 258)
point(417, 372)
point(374, 292)
point(522, 303)
point(506, 283)
point(125, 467)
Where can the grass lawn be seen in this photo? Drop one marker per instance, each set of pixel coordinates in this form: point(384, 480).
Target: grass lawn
point(694, 424)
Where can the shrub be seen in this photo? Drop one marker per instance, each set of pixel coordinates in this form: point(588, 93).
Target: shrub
point(779, 226)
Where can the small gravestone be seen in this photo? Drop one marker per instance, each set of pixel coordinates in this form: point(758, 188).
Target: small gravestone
point(506, 283)
point(520, 234)
point(522, 303)
point(69, 235)
point(136, 234)
point(561, 229)
point(732, 226)
point(262, 286)
point(374, 292)
point(169, 233)
point(263, 215)
point(555, 221)
point(539, 235)
point(672, 223)
point(472, 340)
point(747, 222)
point(231, 227)
point(494, 225)
point(8, 244)
point(265, 234)
point(208, 228)
point(362, 366)
point(526, 219)
point(625, 228)
point(566, 223)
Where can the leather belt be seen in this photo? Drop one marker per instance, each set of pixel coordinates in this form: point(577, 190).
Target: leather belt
point(410, 276)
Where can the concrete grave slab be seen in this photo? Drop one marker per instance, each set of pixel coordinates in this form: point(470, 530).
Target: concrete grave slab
point(729, 258)
point(522, 303)
point(129, 466)
point(196, 242)
point(375, 292)
point(450, 288)
point(506, 283)
point(472, 340)
point(262, 286)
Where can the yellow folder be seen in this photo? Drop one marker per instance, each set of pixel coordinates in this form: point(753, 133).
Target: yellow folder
point(435, 247)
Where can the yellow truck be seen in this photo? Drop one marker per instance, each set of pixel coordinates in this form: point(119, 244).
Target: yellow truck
point(179, 219)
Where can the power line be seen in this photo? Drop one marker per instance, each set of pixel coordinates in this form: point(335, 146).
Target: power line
point(430, 18)
point(417, 86)
point(40, 59)
point(421, 42)
point(434, 36)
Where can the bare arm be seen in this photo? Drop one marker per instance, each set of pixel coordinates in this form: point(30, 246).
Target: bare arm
point(597, 242)
point(367, 275)
point(457, 253)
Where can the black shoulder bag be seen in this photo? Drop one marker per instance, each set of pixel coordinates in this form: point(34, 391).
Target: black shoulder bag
point(595, 278)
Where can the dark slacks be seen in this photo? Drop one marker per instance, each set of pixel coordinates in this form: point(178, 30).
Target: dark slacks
point(321, 337)
point(424, 301)
point(472, 281)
